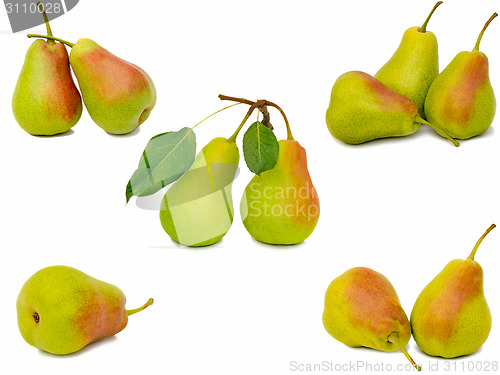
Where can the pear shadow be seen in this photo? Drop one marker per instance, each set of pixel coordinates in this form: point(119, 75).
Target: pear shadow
point(133, 133)
point(60, 135)
point(176, 245)
point(278, 247)
point(89, 347)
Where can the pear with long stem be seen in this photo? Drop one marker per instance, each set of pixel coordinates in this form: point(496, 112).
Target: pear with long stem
point(450, 317)
point(414, 65)
point(461, 101)
point(46, 100)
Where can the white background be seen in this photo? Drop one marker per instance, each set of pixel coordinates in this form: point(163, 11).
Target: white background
point(404, 207)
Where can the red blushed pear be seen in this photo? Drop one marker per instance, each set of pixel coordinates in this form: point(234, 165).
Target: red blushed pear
point(363, 309)
point(281, 206)
point(363, 109)
point(450, 317)
point(118, 95)
point(461, 101)
point(61, 310)
point(46, 100)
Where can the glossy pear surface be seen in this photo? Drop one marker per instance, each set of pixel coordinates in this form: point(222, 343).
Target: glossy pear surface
point(118, 95)
point(362, 109)
point(461, 100)
point(281, 205)
point(61, 309)
point(413, 67)
point(197, 210)
point(46, 100)
point(363, 309)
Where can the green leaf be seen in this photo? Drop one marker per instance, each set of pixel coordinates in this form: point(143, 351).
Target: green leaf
point(166, 157)
point(260, 148)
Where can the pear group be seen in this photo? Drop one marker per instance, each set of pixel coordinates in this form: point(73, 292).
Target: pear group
point(408, 91)
point(118, 95)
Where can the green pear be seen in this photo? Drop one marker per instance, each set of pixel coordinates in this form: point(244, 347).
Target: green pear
point(197, 210)
point(461, 101)
point(363, 309)
point(118, 95)
point(450, 317)
point(61, 310)
point(414, 65)
point(363, 109)
point(281, 206)
point(46, 100)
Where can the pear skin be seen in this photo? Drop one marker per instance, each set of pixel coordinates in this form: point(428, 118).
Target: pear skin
point(281, 206)
point(451, 317)
point(461, 100)
point(46, 100)
point(363, 109)
point(363, 309)
point(414, 65)
point(61, 310)
point(118, 95)
point(197, 210)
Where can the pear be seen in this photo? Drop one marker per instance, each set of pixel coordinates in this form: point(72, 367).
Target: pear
point(118, 95)
point(46, 100)
point(450, 317)
point(197, 210)
point(281, 205)
point(363, 309)
point(414, 65)
point(61, 310)
point(461, 101)
point(363, 109)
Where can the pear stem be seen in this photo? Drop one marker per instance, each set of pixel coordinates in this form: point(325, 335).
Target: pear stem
point(420, 120)
point(131, 312)
point(249, 112)
point(220, 110)
point(476, 47)
point(473, 253)
point(423, 29)
point(394, 338)
point(257, 104)
point(49, 30)
point(69, 44)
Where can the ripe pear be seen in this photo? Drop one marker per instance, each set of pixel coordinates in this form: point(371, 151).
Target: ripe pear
point(46, 100)
point(461, 101)
point(61, 309)
point(363, 309)
point(450, 317)
point(281, 206)
point(414, 65)
point(197, 210)
point(363, 109)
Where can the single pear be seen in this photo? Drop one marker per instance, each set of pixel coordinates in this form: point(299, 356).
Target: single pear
point(450, 317)
point(461, 101)
point(281, 205)
point(197, 210)
point(118, 95)
point(61, 309)
point(363, 109)
point(414, 65)
point(46, 100)
point(363, 309)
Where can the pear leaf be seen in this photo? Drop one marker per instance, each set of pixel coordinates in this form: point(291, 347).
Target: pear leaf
point(166, 157)
point(260, 148)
